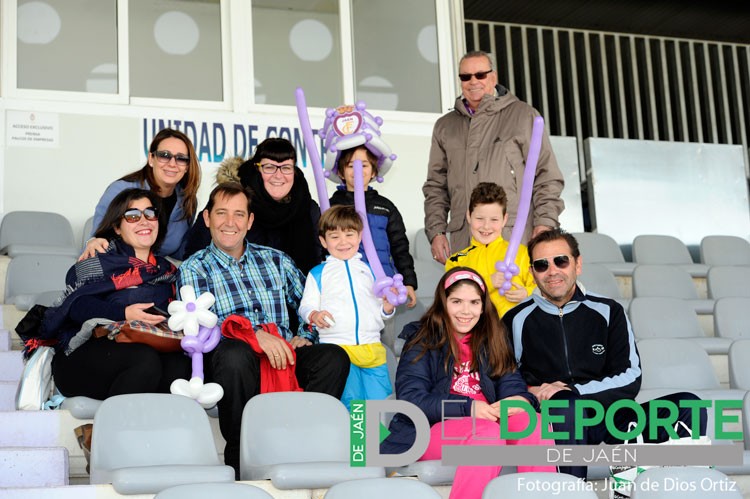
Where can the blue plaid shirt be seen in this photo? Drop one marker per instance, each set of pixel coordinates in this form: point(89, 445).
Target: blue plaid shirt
point(259, 286)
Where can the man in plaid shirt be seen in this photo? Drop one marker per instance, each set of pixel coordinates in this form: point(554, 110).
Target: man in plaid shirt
point(261, 284)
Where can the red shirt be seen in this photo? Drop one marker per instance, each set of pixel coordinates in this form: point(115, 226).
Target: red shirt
point(465, 382)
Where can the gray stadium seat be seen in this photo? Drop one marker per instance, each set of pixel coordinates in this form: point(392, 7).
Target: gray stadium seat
point(298, 456)
point(214, 490)
point(377, 488)
point(36, 278)
point(144, 443)
point(680, 482)
point(537, 485)
point(403, 317)
point(672, 365)
point(602, 249)
point(666, 250)
point(88, 227)
point(730, 317)
point(431, 472)
point(428, 273)
point(725, 250)
point(598, 278)
point(36, 232)
point(657, 317)
point(728, 281)
point(81, 407)
point(675, 364)
point(668, 281)
point(739, 365)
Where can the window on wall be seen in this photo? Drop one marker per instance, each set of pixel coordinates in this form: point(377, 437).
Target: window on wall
point(296, 43)
point(396, 54)
point(175, 49)
point(67, 45)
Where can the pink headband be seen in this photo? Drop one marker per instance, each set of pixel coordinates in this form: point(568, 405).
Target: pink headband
point(459, 276)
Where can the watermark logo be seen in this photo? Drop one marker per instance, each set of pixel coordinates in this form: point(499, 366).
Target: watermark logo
point(367, 432)
point(365, 444)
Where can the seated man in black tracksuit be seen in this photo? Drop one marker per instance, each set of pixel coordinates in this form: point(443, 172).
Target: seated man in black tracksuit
point(571, 345)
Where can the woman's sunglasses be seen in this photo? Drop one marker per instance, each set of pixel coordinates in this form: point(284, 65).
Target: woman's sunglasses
point(542, 264)
point(165, 157)
point(134, 215)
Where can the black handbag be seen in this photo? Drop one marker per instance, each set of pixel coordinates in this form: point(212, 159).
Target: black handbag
point(29, 327)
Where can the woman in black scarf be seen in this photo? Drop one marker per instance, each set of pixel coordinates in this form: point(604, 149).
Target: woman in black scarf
point(286, 217)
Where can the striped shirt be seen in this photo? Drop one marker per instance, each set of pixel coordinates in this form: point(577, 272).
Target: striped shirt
point(259, 286)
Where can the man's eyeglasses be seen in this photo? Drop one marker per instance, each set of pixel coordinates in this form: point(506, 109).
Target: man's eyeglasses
point(542, 264)
point(134, 215)
point(270, 168)
point(165, 157)
point(479, 76)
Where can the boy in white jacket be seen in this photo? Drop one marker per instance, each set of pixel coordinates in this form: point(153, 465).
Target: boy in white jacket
point(339, 302)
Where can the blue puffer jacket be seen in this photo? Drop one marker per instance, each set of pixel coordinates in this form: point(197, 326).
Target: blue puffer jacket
point(426, 384)
point(388, 233)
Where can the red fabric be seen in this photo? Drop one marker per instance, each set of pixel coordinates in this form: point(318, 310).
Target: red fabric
point(464, 381)
point(271, 380)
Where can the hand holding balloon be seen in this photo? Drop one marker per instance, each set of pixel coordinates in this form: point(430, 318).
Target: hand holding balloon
point(507, 267)
point(383, 283)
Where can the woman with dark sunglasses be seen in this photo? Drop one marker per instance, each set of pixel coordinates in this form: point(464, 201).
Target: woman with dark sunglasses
point(121, 284)
point(172, 172)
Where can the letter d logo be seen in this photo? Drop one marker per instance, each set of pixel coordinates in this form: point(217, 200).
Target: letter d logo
point(374, 408)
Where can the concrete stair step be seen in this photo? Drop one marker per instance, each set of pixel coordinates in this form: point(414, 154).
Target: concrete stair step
point(5, 340)
point(33, 467)
point(55, 429)
point(11, 316)
point(8, 395)
point(37, 429)
point(11, 365)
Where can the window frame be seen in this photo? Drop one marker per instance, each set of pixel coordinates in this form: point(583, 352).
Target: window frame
point(237, 64)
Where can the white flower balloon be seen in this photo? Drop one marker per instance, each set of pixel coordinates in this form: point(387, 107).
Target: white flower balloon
point(190, 313)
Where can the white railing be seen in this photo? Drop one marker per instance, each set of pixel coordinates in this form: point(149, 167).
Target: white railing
point(616, 85)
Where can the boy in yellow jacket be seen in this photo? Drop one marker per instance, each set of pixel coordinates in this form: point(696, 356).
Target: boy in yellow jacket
point(486, 218)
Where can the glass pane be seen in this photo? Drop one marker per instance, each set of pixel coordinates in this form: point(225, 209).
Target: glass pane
point(296, 43)
point(396, 54)
point(67, 45)
point(175, 49)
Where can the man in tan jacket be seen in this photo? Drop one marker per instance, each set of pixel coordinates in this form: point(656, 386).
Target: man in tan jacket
point(485, 138)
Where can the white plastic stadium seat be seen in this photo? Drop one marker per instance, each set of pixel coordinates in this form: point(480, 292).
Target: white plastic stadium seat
point(730, 317)
point(377, 488)
point(669, 281)
point(726, 282)
point(725, 250)
point(666, 250)
point(214, 490)
point(602, 249)
point(298, 456)
point(657, 317)
point(36, 232)
point(147, 442)
point(36, 279)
